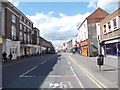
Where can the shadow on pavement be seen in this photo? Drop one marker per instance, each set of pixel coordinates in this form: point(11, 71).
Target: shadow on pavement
point(36, 77)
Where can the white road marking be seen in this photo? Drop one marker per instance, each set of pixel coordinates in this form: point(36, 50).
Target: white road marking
point(52, 76)
point(28, 71)
point(43, 62)
point(70, 85)
point(77, 77)
point(63, 85)
point(68, 62)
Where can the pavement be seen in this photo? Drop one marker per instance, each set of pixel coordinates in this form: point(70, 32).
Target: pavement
point(108, 61)
point(62, 70)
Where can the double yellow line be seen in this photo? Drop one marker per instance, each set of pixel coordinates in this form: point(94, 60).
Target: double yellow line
point(89, 75)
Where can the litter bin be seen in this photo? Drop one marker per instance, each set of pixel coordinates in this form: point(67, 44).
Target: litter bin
point(100, 60)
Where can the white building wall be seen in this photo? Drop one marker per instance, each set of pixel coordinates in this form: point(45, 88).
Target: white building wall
point(83, 31)
point(13, 47)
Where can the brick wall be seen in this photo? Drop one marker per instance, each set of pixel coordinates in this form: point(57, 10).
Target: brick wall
point(106, 20)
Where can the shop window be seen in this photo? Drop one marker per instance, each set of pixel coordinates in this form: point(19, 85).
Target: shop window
point(13, 32)
point(109, 26)
point(114, 23)
point(13, 18)
point(111, 49)
point(104, 28)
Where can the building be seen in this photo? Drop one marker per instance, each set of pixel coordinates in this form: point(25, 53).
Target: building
point(2, 28)
point(17, 32)
point(36, 41)
point(17, 35)
point(110, 34)
point(45, 45)
point(87, 33)
point(69, 45)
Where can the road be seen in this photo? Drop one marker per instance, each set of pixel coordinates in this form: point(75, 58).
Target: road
point(61, 70)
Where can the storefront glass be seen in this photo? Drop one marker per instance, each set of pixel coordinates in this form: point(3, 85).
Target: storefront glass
point(119, 50)
point(111, 49)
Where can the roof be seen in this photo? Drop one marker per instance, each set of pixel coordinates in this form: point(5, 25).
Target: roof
point(96, 16)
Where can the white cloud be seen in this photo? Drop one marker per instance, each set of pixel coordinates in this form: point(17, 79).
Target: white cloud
point(57, 29)
point(108, 4)
point(50, 12)
point(104, 4)
point(62, 15)
point(92, 4)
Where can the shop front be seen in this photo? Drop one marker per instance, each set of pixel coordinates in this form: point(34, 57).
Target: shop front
point(84, 47)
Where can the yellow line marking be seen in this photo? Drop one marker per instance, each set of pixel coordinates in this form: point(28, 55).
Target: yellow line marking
point(91, 77)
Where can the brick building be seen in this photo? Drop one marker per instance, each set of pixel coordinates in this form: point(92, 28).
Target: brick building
point(17, 33)
point(110, 34)
point(87, 33)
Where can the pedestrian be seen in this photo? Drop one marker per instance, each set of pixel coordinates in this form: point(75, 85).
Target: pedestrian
point(10, 56)
point(4, 56)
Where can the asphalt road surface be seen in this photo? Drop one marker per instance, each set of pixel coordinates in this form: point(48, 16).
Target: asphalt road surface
point(57, 71)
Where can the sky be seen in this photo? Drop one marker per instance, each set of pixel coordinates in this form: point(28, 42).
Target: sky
point(58, 21)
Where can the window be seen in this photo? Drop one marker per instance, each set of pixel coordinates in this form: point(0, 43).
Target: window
point(21, 36)
point(20, 17)
point(114, 23)
point(24, 38)
point(28, 38)
point(28, 22)
point(13, 32)
point(13, 18)
point(24, 29)
point(111, 49)
point(109, 26)
point(104, 28)
point(20, 26)
point(24, 20)
point(37, 41)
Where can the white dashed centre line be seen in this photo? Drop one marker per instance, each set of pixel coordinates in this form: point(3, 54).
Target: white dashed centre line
point(28, 71)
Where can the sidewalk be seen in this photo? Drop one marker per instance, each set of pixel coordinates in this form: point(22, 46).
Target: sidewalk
point(108, 61)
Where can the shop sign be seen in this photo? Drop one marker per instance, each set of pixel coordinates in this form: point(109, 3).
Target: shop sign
point(84, 43)
point(1, 40)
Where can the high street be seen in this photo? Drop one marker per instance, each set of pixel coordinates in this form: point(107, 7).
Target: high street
point(62, 70)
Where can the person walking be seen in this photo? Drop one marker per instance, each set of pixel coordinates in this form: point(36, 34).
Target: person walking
point(10, 55)
point(4, 56)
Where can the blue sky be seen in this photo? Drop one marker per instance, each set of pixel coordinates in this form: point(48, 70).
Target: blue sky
point(58, 21)
point(69, 8)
